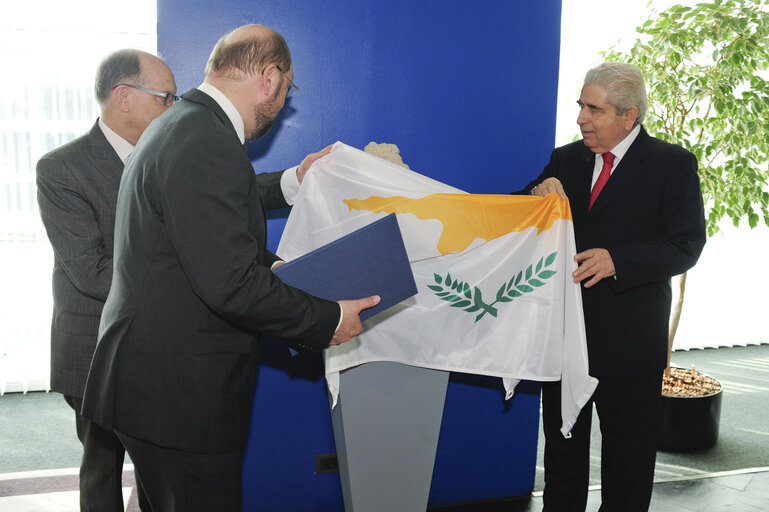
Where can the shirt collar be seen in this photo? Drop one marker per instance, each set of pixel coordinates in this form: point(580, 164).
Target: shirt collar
point(620, 149)
point(229, 109)
point(122, 147)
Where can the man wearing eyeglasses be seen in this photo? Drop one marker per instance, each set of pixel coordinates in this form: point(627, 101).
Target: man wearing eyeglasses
point(175, 367)
point(77, 191)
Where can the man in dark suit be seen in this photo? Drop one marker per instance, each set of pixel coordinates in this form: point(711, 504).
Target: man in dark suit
point(77, 189)
point(174, 370)
point(638, 221)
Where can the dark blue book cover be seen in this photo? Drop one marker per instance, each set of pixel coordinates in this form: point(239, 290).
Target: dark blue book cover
point(369, 261)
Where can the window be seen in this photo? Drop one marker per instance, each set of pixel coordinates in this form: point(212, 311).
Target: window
point(46, 100)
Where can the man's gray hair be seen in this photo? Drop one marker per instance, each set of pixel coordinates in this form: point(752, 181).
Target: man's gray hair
point(624, 84)
point(121, 66)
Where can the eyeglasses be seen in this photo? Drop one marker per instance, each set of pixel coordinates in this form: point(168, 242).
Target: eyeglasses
point(168, 98)
point(292, 88)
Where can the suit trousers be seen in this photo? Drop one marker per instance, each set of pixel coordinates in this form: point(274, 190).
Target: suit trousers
point(177, 481)
point(629, 415)
point(101, 468)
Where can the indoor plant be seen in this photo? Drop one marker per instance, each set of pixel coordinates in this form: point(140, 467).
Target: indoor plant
point(705, 68)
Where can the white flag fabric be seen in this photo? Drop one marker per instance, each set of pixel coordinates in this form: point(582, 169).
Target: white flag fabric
point(493, 274)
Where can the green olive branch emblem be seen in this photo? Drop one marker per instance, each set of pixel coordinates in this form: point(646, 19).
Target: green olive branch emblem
point(462, 295)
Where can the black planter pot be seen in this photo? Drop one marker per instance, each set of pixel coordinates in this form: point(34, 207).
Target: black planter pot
point(689, 423)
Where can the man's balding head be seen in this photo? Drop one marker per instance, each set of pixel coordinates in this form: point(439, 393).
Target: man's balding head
point(248, 50)
point(125, 108)
point(252, 67)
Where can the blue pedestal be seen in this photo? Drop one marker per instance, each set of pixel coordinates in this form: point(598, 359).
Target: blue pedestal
point(486, 449)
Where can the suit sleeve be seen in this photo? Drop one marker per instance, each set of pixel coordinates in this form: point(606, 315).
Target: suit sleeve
point(272, 197)
point(270, 191)
point(207, 214)
point(72, 228)
point(270, 258)
point(680, 231)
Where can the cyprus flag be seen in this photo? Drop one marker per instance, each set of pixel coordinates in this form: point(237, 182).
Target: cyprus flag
point(493, 274)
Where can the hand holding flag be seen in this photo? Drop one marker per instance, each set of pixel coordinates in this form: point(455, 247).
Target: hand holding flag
point(549, 186)
point(309, 160)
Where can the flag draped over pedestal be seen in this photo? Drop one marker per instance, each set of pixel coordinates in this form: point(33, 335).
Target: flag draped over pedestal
point(493, 273)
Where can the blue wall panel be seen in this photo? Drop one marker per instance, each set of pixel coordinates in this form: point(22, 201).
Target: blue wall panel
point(467, 90)
point(291, 423)
point(488, 446)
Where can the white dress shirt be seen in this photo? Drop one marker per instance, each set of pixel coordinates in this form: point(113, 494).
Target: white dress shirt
point(122, 147)
point(618, 151)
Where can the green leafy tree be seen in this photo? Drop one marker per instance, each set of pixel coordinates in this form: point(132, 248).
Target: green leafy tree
point(705, 69)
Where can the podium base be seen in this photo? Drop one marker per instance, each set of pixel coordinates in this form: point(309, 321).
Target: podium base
point(386, 427)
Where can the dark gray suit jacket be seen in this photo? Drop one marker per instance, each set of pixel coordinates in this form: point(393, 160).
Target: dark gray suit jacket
point(192, 289)
point(77, 188)
point(650, 218)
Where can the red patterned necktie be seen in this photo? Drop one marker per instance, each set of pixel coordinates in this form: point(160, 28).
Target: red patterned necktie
point(608, 160)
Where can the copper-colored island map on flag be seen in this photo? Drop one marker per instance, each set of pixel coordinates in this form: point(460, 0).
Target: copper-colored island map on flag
point(466, 217)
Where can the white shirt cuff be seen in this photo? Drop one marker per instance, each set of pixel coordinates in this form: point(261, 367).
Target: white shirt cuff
point(289, 184)
point(341, 317)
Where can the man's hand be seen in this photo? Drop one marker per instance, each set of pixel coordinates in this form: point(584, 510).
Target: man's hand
point(350, 320)
point(549, 186)
point(308, 161)
point(595, 264)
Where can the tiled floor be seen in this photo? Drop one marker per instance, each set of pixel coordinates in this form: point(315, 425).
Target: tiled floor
point(736, 491)
point(53, 491)
point(710, 480)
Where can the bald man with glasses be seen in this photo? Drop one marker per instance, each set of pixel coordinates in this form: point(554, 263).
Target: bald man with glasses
point(77, 192)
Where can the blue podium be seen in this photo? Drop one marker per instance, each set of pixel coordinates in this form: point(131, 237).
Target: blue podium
point(406, 438)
